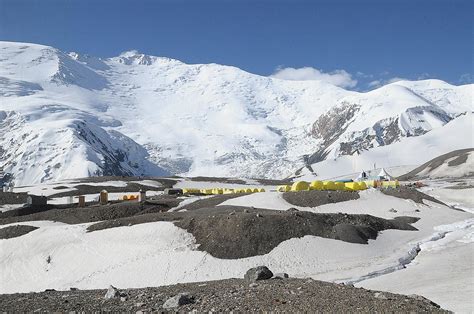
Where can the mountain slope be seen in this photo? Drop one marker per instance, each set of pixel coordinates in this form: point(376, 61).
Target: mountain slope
point(456, 164)
point(195, 119)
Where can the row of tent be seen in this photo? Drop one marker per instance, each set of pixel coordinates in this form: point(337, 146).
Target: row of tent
point(216, 191)
point(335, 185)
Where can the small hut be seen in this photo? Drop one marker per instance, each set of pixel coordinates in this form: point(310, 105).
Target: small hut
point(34, 200)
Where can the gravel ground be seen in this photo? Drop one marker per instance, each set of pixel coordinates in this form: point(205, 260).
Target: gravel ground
point(15, 231)
point(75, 215)
point(315, 198)
point(211, 201)
point(82, 189)
point(410, 194)
point(260, 230)
point(281, 295)
point(12, 198)
point(460, 187)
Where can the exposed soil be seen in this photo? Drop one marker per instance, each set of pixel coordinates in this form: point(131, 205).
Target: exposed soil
point(413, 194)
point(460, 187)
point(273, 295)
point(315, 198)
point(75, 215)
point(274, 182)
point(211, 201)
point(236, 232)
point(15, 231)
point(82, 189)
point(12, 198)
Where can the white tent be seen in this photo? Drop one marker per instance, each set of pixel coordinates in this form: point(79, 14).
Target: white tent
point(362, 176)
point(384, 175)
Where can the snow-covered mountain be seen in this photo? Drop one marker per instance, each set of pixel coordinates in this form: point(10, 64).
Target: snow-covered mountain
point(70, 115)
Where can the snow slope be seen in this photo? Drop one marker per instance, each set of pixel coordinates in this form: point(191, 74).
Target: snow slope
point(68, 115)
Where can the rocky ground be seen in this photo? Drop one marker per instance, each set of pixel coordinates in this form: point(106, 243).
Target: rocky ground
point(409, 193)
point(285, 295)
point(316, 198)
point(15, 231)
point(12, 198)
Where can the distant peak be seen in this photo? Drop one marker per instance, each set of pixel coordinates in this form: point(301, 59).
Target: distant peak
point(130, 53)
point(135, 57)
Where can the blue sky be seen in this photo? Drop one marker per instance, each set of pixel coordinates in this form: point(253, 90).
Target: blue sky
point(355, 44)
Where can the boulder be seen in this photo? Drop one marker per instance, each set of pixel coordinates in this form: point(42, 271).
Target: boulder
point(178, 300)
point(112, 292)
point(258, 273)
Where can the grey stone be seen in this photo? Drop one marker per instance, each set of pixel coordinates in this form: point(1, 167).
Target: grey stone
point(112, 292)
point(281, 276)
point(178, 300)
point(380, 295)
point(258, 273)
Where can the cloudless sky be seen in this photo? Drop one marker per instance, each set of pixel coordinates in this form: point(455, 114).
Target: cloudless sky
point(382, 39)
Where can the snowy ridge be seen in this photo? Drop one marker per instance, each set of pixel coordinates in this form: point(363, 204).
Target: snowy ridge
point(200, 119)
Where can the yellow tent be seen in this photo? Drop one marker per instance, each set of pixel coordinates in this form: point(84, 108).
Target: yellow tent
point(261, 190)
point(316, 185)
point(300, 186)
point(340, 186)
point(217, 191)
point(370, 183)
point(283, 188)
point(391, 184)
point(248, 190)
point(352, 186)
point(362, 186)
point(329, 185)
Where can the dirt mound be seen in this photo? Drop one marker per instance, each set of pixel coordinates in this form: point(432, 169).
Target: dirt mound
point(237, 232)
point(75, 215)
point(211, 201)
point(409, 193)
point(12, 198)
point(15, 231)
point(29, 210)
point(82, 189)
point(317, 198)
point(274, 295)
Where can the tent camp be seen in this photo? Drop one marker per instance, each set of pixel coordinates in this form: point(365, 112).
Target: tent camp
point(362, 176)
point(384, 176)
